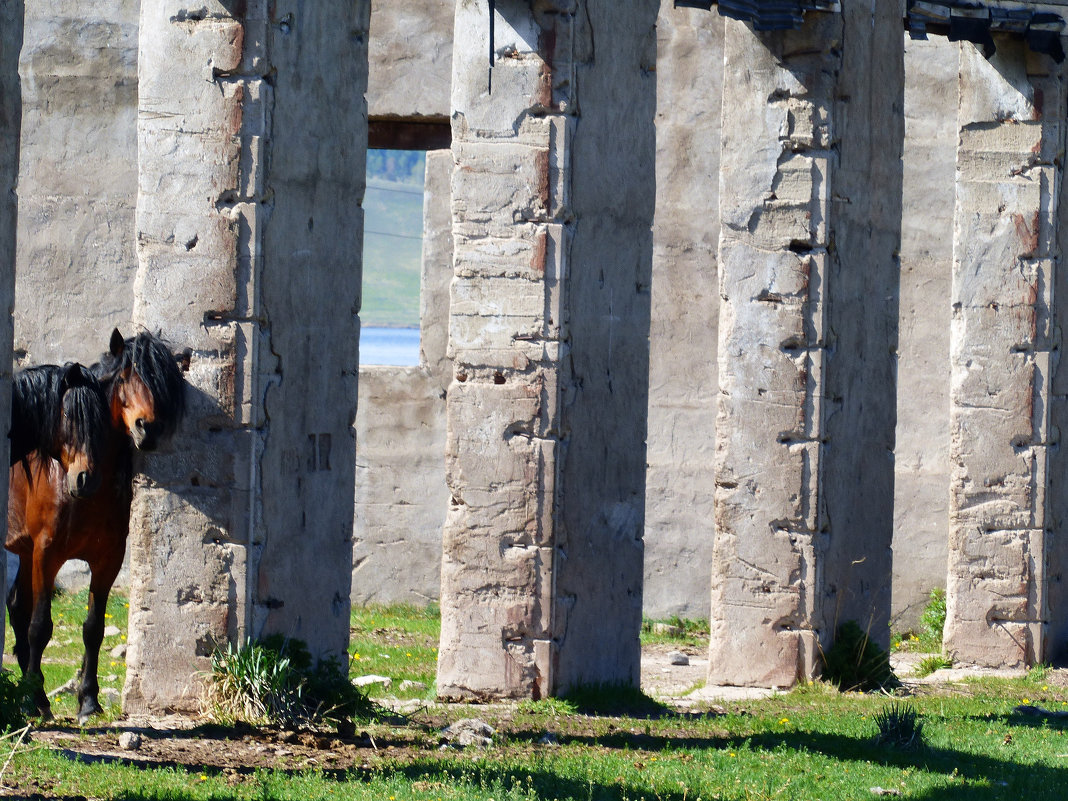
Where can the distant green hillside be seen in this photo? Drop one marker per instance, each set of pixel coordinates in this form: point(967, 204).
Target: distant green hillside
point(393, 238)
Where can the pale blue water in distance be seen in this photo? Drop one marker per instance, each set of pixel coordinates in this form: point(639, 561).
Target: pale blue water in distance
point(396, 347)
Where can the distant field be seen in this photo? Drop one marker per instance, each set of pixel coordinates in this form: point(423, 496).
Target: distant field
point(392, 251)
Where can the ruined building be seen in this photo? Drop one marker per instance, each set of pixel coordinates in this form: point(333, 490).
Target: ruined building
point(743, 311)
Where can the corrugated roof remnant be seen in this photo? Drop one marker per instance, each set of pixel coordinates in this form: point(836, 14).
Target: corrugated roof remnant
point(1041, 24)
point(765, 15)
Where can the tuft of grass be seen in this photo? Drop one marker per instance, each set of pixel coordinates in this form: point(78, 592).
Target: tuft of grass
point(930, 664)
point(899, 726)
point(274, 682)
point(854, 662)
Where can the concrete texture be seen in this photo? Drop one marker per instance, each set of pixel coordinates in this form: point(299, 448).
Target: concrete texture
point(552, 208)
point(921, 452)
point(683, 373)
point(245, 527)
point(11, 27)
point(78, 179)
point(807, 330)
point(410, 59)
point(1011, 145)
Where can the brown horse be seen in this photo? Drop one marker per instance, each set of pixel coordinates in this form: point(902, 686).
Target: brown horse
point(144, 390)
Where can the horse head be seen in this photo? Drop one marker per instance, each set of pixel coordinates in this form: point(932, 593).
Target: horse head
point(147, 391)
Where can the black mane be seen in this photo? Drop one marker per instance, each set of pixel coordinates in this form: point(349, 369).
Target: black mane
point(153, 362)
point(52, 404)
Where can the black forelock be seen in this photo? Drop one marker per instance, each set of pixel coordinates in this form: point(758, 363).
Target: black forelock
point(41, 399)
point(85, 421)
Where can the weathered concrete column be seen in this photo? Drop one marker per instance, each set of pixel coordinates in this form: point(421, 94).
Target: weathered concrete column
point(812, 124)
point(11, 21)
point(552, 207)
point(1011, 146)
point(252, 138)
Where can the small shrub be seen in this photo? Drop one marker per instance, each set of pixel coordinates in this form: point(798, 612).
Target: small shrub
point(274, 682)
point(14, 698)
point(899, 726)
point(854, 662)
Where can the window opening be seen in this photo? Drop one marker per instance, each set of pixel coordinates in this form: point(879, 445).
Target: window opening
point(392, 257)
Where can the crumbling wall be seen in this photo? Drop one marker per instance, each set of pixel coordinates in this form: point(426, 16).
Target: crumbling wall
point(921, 452)
point(401, 495)
point(683, 371)
point(77, 180)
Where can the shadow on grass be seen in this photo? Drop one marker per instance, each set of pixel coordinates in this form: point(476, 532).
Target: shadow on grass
point(560, 772)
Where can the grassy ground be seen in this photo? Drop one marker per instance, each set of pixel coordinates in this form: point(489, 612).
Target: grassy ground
point(813, 743)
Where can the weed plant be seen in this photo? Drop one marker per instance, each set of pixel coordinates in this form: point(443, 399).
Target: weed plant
point(933, 621)
point(854, 662)
point(275, 682)
point(899, 726)
point(14, 696)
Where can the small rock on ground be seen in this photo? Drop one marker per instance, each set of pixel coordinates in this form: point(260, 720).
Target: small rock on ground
point(129, 741)
point(469, 731)
point(371, 678)
point(678, 658)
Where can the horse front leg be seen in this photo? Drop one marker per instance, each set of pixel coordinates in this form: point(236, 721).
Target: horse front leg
point(40, 632)
point(103, 576)
point(19, 608)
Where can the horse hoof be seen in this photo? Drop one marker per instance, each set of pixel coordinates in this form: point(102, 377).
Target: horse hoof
point(89, 708)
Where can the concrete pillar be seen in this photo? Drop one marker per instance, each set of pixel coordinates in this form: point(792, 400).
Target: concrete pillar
point(11, 21)
point(252, 139)
point(807, 331)
point(553, 196)
point(1011, 146)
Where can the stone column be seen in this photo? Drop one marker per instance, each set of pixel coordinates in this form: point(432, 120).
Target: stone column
point(808, 321)
point(1011, 146)
point(11, 21)
point(553, 195)
point(252, 140)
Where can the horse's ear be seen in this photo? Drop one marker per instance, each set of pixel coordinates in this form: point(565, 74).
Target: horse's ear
point(73, 376)
point(118, 344)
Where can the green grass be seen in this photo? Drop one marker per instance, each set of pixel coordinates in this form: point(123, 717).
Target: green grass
point(813, 743)
point(675, 631)
point(398, 641)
